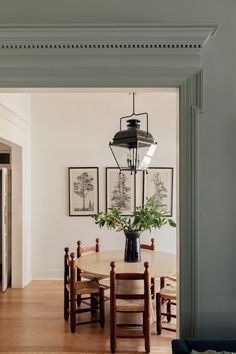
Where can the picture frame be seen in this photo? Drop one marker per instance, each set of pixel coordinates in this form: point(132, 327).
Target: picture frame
point(158, 184)
point(83, 191)
point(120, 190)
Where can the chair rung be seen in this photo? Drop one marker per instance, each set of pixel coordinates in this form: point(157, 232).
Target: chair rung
point(129, 311)
point(129, 325)
point(87, 322)
point(137, 336)
point(168, 329)
point(85, 298)
point(104, 286)
point(83, 310)
point(85, 303)
point(167, 314)
point(130, 296)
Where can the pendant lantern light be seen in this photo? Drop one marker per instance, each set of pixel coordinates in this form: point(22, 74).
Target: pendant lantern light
point(133, 148)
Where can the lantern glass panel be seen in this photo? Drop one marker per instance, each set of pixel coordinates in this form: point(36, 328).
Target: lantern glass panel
point(146, 156)
point(136, 158)
point(120, 155)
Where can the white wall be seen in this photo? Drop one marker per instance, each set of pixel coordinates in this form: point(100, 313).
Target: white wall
point(74, 129)
point(19, 103)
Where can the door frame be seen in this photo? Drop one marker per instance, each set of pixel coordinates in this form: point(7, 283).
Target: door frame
point(6, 173)
point(16, 134)
point(126, 56)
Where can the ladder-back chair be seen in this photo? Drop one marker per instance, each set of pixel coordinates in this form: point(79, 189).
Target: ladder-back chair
point(130, 303)
point(74, 288)
point(165, 299)
point(88, 275)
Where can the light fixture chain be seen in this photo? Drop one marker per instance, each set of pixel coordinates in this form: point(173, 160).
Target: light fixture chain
point(134, 94)
point(133, 103)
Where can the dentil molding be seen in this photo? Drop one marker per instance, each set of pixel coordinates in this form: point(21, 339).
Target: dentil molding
point(180, 37)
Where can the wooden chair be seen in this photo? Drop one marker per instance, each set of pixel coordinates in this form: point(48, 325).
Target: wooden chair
point(165, 299)
point(87, 275)
point(152, 248)
point(84, 250)
point(73, 288)
point(130, 303)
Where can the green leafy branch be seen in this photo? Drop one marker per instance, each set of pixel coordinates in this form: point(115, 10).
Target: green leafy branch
point(144, 218)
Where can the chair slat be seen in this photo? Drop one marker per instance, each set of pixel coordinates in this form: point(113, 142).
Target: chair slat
point(150, 247)
point(130, 296)
point(129, 276)
point(87, 249)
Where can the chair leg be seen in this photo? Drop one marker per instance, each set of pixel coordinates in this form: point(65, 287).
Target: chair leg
point(147, 333)
point(101, 307)
point(168, 310)
point(94, 304)
point(78, 299)
point(158, 313)
point(66, 304)
point(153, 288)
point(144, 324)
point(72, 314)
point(113, 331)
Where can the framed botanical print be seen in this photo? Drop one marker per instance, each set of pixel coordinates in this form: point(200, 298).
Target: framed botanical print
point(83, 191)
point(120, 190)
point(158, 184)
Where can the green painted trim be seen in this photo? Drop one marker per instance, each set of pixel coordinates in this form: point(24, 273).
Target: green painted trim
point(190, 106)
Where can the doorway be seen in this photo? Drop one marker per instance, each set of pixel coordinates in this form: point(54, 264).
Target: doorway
point(84, 124)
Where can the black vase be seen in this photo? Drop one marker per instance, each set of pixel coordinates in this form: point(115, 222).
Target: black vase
point(132, 247)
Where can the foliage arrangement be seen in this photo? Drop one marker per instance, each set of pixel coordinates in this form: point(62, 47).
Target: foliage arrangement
point(144, 218)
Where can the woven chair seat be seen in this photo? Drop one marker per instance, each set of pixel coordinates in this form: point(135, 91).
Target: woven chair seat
point(86, 287)
point(124, 305)
point(168, 292)
point(96, 278)
point(171, 277)
point(92, 276)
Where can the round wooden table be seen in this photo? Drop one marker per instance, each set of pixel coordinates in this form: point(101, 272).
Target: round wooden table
point(160, 263)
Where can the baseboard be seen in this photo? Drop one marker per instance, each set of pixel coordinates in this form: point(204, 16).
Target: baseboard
point(47, 274)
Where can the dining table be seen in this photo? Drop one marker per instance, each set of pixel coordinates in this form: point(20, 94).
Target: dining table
point(160, 263)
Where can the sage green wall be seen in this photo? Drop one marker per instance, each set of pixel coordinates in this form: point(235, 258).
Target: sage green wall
point(217, 129)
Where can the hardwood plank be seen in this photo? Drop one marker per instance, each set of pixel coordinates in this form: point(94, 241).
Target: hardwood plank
point(31, 321)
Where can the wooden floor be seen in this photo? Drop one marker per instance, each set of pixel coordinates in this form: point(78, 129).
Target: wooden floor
point(31, 321)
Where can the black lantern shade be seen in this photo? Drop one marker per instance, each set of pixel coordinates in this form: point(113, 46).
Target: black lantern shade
point(133, 148)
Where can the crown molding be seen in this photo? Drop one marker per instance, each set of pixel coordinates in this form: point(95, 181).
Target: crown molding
point(92, 56)
point(109, 37)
